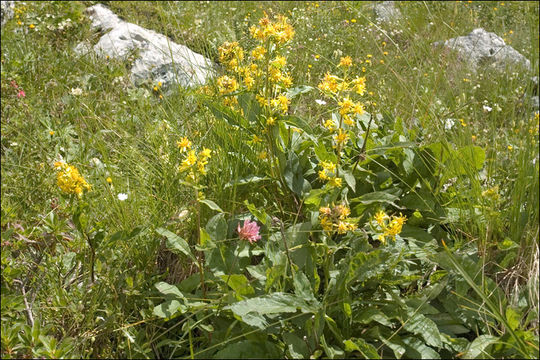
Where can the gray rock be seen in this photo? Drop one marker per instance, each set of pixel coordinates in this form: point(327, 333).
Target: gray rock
point(485, 48)
point(158, 59)
point(386, 12)
point(6, 11)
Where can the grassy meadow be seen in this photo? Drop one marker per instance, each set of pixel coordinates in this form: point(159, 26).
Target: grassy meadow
point(341, 189)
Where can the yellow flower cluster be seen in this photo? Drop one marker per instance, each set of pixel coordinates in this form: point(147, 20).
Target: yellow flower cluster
point(278, 32)
point(231, 54)
point(329, 173)
point(389, 226)
point(69, 179)
point(193, 163)
point(264, 72)
point(336, 219)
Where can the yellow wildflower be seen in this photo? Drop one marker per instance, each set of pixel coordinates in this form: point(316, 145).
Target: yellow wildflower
point(345, 61)
point(69, 179)
point(184, 144)
point(341, 137)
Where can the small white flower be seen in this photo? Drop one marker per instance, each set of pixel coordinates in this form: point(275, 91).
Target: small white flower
point(76, 91)
point(320, 102)
point(486, 108)
point(449, 124)
point(122, 196)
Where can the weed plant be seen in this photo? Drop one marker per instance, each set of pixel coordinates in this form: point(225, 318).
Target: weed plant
point(341, 188)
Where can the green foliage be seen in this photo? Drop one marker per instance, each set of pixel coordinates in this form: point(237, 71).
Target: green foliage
point(426, 246)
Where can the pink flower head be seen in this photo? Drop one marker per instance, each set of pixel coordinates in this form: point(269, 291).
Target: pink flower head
point(14, 84)
point(21, 94)
point(250, 231)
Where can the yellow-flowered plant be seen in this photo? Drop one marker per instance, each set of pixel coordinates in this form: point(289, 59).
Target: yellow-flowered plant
point(193, 164)
point(336, 219)
point(69, 179)
point(388, 226)
point(345, 92)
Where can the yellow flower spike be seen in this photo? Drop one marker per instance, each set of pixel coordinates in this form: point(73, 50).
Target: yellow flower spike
point(270, 121)
point(184, 144)
point(341, 137)
point(345, 62)
point(335, 182)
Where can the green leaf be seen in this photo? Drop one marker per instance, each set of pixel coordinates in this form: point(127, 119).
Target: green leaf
point(176, 243)
point(297, 122)
point(371, 314)
point(169, 290)
point(247, 180)
point(479, 348)
point(217, 227)
point(251, 311)
point(239, 283)
point(169, 308)
point(349, 179)
point(291, 93)
point(368, 351)
point(364, 266)
point(323, 155)
point(212, 205)
point(469, 158)
point(259, 214)
point(513, 318)
point(294, 177)
point(416, 349)
point(377, 197)
point(420, 325)
point(302, 287)
point(297, 347)
point(249, 349)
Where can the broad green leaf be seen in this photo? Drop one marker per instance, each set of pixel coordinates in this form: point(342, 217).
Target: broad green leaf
point(349, 179)
point(293, 174)
point(251, 311)
point(366, 265)
point(365, 316)
point(169, 290)
point(302, 287)
point(513, 318)
point(323, 154)
point(176, 243)
point(259, 214)
point(249, 349)
point(479, 348)
point(297, 347)
point(247, 180)
point(239, 283)
point(291, 93)
point(212, 205)
point(469, 158)
point(169, 308)
point(217, 227)
point(422, 326)
point(331, 351)
point(367, 350)
point(416, 349)
point(377, 197)
point(297, 122)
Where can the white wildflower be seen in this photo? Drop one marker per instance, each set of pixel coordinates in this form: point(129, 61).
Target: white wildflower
point(122, 196)
point(449, 124)
point(320, 102)
point(76, 91)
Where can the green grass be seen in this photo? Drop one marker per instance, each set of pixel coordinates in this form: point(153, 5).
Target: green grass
point(489, 212)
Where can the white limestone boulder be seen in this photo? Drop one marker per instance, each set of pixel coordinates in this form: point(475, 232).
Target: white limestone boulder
point(485, 48)
point(158, 59)
point(6, 11)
